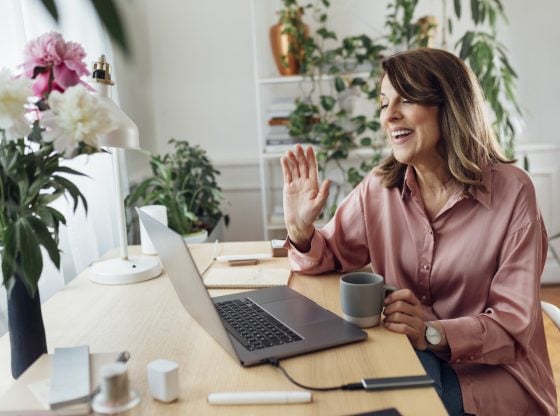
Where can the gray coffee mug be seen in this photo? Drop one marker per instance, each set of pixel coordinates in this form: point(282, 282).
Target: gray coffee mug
point(361, 297)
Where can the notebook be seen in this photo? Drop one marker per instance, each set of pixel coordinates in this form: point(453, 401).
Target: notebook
point(309, 326)
point(247, 277)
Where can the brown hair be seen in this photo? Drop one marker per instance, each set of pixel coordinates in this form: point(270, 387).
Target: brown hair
point(436, 77)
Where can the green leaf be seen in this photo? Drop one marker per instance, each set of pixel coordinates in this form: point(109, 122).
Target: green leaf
point(366, 141)
point(51, 8)
point(466, 42)
point(475, 11)
point(358, 82)
point(9, 253)
point(457, 5)
point(72, 189)
point(45, 238)
point(29, 253)
point(327, 102)
point(111, 20)
point(339, 84)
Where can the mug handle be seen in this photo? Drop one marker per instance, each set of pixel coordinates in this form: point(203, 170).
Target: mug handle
point(388, 289)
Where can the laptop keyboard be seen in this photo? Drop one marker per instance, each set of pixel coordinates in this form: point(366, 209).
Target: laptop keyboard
point(252, 326)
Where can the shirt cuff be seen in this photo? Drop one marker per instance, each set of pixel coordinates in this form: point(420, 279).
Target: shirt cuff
point(310, 258)
point(464, 336)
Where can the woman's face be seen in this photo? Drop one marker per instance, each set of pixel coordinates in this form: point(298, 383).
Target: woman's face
point(413, 129)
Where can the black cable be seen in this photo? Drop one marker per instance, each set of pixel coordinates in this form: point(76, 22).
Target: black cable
point(352, 386)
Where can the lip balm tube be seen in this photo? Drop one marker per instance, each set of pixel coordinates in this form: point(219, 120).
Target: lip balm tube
point(260, 397)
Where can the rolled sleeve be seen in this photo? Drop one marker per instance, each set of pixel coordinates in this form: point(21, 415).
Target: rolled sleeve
point(478, 340)
point(465, 338)
point(315, 261)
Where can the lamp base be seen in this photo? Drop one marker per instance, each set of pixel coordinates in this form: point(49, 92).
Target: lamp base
point(122, 272)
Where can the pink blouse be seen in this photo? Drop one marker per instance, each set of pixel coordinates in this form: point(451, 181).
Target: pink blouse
point(476, 267)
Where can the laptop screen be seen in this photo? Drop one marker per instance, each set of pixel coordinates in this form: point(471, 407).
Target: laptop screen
point(185, 277)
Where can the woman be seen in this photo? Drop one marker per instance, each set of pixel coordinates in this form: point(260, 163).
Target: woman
point(453, 224)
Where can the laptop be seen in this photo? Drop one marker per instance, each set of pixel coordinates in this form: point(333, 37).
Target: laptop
point(252, 326)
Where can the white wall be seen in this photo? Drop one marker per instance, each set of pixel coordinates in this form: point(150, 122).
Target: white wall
point(192, 78)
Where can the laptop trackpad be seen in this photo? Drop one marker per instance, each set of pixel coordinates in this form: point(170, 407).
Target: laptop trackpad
point(299, 311)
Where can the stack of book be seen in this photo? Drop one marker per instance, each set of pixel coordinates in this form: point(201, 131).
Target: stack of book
point(278, 138)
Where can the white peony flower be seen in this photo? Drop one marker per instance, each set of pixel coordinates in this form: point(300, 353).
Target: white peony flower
point(13, 96)
point(76, 116)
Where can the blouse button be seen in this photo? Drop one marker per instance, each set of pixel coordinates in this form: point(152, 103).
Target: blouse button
point(458, 360)
point(423, 298)
point(426, 267)
point(472, 357)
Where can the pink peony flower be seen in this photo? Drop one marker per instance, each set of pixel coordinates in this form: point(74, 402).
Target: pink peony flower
point(73, 58)
point(44, 51)
point(62, 61)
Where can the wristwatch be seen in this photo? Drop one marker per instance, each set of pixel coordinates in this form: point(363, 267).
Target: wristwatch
point(432, 335)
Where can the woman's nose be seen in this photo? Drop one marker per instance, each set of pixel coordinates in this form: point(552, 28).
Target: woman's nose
point(392, 112)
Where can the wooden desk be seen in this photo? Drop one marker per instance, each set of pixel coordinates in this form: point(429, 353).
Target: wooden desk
point(148, 320)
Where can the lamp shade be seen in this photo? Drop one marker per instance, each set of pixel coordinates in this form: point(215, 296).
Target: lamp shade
point(126, 134)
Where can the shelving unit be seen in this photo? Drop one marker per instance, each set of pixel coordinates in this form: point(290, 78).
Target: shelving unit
point(270, 86)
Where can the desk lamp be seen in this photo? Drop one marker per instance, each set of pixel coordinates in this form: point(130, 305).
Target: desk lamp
point(125, 269)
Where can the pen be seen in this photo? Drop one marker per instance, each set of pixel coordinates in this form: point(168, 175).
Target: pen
point(260, 397)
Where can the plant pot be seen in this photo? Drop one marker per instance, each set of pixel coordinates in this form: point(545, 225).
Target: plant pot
point(217, 232)
point(197, 237)
point(27, 331)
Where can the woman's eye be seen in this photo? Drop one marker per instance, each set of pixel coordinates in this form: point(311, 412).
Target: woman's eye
point(384, 106)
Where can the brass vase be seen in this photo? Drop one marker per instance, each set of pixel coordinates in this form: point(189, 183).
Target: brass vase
point(428, 29)
point(287, 51)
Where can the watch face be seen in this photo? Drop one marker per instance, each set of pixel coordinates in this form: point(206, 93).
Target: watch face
point(432, 335)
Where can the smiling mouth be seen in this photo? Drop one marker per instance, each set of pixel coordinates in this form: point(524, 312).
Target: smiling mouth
point(400, 134)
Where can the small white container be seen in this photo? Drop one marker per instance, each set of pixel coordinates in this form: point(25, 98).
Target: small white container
point(163, 380)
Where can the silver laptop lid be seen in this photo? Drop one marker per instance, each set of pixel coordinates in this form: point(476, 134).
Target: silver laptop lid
point(185, 277)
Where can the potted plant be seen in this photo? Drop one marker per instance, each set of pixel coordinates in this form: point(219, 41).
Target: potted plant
point(183, 180)
point(64, 120)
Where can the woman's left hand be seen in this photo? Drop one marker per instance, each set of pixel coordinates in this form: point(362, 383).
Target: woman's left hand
point(403, 314)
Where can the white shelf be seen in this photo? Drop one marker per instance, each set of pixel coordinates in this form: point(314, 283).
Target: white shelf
point(291, 79)
point(274, 227)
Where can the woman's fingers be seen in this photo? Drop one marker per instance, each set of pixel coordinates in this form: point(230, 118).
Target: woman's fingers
point(401, 306)
point(404, 315)
point(286, 171)
point(401, 328)
point(405, 295)
point(299, 163)
point(312, 164)
point(294, 164)
point(302, 162)
point(323, 192)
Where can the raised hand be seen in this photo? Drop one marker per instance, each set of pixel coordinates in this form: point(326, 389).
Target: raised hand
point(303, 198)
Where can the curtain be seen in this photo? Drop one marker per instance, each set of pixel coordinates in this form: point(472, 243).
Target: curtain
point(85, 237)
